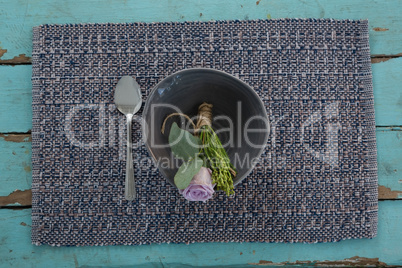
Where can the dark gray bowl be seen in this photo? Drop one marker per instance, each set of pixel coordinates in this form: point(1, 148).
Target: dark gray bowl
point(236, 107)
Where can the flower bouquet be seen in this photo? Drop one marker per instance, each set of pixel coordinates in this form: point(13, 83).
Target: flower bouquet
point(206, 165)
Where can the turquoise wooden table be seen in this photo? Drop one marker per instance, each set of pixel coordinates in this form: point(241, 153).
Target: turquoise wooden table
point(17, 19)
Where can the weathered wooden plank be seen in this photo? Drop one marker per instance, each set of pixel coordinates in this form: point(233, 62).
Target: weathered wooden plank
point(15, 98)
point(389, 148)
point(16, 114)
point(15, 164)
point(387, 92)
point(15, 153)
point(16, 249)
point(19, 17)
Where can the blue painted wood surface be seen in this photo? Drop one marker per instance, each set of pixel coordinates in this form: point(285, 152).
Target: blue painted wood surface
point(18, 17)
point(15, 98)
point(387, 81)
point(389, 157)
point(15, 164)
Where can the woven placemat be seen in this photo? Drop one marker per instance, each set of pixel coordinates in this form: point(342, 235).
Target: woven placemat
point(317, 178)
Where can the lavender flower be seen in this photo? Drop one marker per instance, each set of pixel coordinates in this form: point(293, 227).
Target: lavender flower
point(200, 188)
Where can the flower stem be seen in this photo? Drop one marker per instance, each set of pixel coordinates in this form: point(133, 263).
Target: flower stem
point(216, 158)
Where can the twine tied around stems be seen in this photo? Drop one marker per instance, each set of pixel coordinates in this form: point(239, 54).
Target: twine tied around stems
point(204, 117)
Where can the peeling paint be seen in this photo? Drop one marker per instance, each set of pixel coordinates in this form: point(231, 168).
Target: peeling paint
point(380, 59)
point(258, 2)
point(200, 15)
point(383, 57)
point(27, 168)
point(2, 52)
point(387, 193)
point(24, 224)
point(263, 262)
point(16, 137)
point(378, 29)
point(23, 198)
point(350, 262)
point(21, 59)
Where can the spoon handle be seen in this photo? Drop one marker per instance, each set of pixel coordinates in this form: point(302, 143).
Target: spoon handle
point(130, 192)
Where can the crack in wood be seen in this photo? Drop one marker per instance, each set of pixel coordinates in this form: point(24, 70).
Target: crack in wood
point(378, 29)
point(16, 207)
point(389, 128)
point(24, 198)
point(355, 261)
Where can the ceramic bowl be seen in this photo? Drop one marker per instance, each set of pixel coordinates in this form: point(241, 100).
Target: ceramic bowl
point(239, 117)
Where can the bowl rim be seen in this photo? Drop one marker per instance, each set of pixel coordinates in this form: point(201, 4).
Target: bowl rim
point(154, 89)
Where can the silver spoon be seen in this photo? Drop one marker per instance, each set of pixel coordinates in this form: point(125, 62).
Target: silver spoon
point(127, 98)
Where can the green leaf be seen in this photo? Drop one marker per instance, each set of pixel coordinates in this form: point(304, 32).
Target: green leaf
point(186, 173)
point(182, 143)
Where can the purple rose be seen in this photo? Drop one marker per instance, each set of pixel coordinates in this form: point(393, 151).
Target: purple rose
point(200, 188)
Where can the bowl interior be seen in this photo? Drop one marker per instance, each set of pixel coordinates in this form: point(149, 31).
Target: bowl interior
point(239, 117)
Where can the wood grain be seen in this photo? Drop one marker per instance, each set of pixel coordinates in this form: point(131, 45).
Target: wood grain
point(16, 249)
point(18, 17)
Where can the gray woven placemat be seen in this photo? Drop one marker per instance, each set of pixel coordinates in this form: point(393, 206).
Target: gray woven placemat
point(316, 181)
